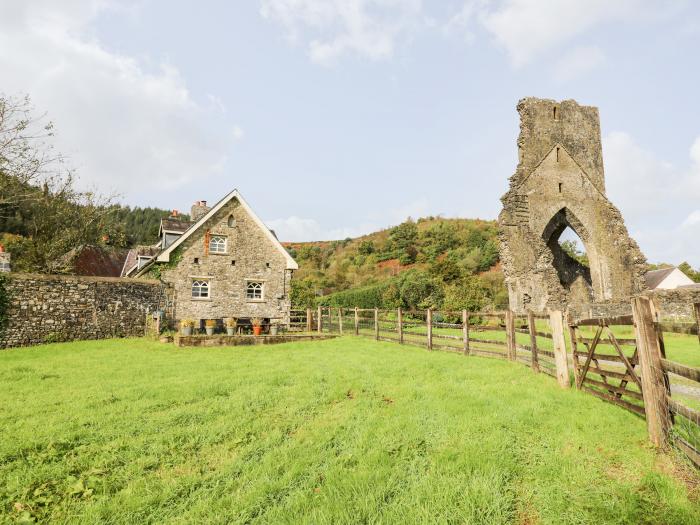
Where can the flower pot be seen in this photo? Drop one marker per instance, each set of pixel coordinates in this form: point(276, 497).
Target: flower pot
point(257, 330)
point(186, 330)
point(273, 329)
point(230, 331)
point(210, 331)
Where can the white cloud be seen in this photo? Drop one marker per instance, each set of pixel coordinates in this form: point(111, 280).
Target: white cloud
point(297, 229)
point(578, 62)
point(657, 199)
point(335, 28)
point(238, 133)
point(122, 126)
point(526, 28)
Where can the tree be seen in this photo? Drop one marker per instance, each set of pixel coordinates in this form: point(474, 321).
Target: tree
point(467, 294)
point(402, 240)
point(688, 270)
point(37, 188)
point(62, 218)
point(572, 250)
point(366, 247)
point(302, 293)
point(26, 158)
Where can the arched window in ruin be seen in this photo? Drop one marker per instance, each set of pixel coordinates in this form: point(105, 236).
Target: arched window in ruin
point(566, 238)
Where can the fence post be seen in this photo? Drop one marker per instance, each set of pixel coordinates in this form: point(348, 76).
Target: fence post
point(573, 336)
point(429, 324)
point(340, 320)
point(510, 335)
point(357, 322)
point(399, 327)
point(319, 321)
point(465, 331)
point(532, 328)
point(309, 320)
point(653, 383)
point(696, 306)
point(376, 324)
point(556, 321)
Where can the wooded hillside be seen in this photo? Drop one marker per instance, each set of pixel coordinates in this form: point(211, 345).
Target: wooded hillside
point(431, 262)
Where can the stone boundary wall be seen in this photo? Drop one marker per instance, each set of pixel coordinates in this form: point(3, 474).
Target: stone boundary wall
point(52, 308)
point(673, 305)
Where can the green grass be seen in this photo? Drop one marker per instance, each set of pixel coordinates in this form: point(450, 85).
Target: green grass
point(339, 431)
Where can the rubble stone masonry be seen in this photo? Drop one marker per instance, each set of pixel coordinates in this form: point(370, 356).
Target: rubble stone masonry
point(52, 308)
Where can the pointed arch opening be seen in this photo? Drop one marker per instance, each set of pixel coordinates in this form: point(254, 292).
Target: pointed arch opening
point(567, 239)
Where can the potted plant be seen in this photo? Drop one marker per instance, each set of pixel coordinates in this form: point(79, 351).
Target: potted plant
point(231, 323)
point(209, 326)
point(274, 328)
point(257, 325)
point(186, 326)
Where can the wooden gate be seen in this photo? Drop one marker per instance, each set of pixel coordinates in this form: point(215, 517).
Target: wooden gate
point(605, 364)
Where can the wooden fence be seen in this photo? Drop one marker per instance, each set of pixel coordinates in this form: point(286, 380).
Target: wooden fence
point(631, 372)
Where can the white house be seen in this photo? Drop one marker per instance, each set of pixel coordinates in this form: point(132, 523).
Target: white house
point(667, 279)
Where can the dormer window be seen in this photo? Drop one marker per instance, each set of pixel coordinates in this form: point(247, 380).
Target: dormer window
point(217, 244)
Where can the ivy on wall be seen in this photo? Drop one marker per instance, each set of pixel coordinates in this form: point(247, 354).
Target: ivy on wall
point(155, 272)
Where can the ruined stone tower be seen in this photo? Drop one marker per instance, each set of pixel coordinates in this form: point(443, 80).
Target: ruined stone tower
point(560, 183)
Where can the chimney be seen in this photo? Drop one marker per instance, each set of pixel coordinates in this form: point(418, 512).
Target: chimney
point(175, 214)
point(199, 209)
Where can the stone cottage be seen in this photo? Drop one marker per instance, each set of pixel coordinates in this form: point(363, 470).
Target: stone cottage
point(224, 263)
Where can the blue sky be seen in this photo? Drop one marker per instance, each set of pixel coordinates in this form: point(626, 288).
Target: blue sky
point(338, 117)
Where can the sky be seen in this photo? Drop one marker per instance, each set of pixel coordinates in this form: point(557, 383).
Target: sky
point(335, 118)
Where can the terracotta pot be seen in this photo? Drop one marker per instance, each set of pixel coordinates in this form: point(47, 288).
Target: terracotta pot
point(257, 330)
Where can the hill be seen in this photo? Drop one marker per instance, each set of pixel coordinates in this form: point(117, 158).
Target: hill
point(432, 262)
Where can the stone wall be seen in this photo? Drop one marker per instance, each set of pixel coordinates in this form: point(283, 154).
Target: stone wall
point(672, 306)
point(558, 184)
point(51, 308)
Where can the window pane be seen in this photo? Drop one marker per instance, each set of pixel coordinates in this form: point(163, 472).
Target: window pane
point(217, 244)
point(200, 289)
point(254, 290)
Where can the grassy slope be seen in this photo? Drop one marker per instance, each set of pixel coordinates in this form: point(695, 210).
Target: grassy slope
point(342, 431)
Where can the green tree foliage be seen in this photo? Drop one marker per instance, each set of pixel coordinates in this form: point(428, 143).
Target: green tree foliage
point(438, 238)
point(366, 248)
point(402, 242)
point(689, 271)
point(572, 250)
point(302, 293)
point(466, 294)
point(374, 271)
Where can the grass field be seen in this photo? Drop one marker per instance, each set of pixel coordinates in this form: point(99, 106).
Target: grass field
point(339, 431)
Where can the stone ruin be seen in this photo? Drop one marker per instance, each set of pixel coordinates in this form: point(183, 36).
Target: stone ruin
point(560, 183)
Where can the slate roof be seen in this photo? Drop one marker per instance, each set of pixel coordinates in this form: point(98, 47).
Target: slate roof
point(655, 277)
point(175, 225)
point(132, 257)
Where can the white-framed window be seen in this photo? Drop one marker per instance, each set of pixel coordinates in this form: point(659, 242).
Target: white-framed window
point(217, 244)
point(254, 290)
point(200, 289)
